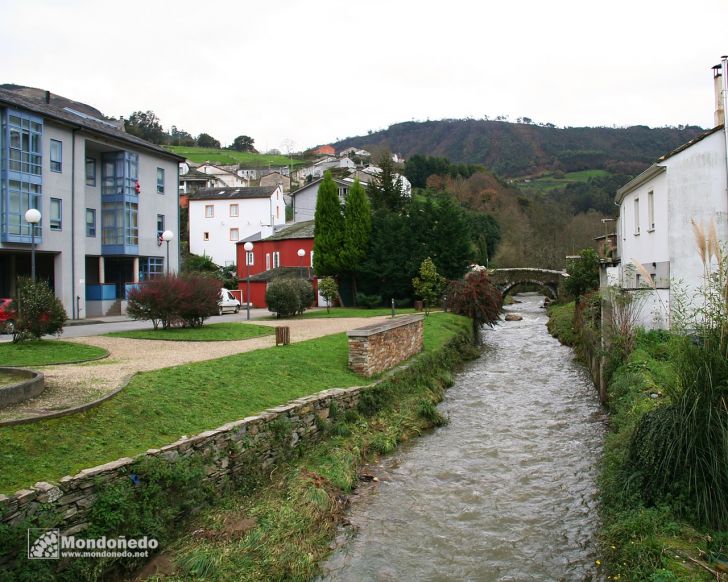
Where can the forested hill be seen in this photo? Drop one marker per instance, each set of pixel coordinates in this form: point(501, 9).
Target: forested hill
point(519, 149)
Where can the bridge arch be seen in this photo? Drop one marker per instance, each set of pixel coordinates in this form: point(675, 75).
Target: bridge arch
point(508, 278)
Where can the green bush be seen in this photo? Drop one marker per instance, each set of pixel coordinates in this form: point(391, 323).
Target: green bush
point(368, 301)
point(288, 297)
point(39, 311)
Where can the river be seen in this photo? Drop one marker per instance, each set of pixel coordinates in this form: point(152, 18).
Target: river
point(506, 491)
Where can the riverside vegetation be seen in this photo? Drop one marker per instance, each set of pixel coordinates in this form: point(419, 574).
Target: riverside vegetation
point(288, 516)
point(664, 471)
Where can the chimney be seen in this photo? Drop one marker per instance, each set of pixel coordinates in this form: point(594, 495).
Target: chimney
point(718, 89)
point(47, 97)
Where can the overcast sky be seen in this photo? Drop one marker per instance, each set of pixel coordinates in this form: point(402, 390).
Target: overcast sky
point(315, 72)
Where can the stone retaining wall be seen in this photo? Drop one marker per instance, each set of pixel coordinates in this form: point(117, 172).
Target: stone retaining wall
point(226, 451)
point(381, 346)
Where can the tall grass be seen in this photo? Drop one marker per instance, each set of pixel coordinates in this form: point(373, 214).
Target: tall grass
point(679, 452)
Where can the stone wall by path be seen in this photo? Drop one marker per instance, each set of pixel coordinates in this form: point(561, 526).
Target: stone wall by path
point(225, 451)
point(381, 346)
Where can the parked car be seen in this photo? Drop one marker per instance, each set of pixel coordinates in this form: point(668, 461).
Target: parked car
point(227, 302)
point(7, 316)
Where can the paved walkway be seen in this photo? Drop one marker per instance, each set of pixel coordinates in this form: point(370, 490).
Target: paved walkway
point(75, 384)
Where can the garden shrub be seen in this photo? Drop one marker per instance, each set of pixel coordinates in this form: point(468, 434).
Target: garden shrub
point(175, 300)
point(287, 297)
point(368, 301)
point(39, 311)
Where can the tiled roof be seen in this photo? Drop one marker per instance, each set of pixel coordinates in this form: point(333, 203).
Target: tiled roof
point(234, 193)
point(295, 230)
point(283, 273)
point(78, 119)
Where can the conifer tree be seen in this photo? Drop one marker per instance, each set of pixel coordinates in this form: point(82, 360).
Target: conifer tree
point(328, 229)
point(357, 231)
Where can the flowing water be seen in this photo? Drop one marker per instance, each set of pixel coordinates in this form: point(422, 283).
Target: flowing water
point(506, 491)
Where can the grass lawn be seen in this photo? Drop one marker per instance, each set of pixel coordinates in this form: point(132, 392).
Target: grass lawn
point(351, 312)
point(157, 407)
point(46, 352)
point(222, 156)
point(215, 332)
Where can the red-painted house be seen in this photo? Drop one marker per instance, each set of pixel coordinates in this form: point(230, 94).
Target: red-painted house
point(276, 257)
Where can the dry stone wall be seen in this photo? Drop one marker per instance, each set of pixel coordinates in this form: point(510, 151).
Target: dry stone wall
point(381, 346)
point(225, 451)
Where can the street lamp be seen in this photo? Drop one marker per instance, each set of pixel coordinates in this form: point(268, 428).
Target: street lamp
point(32, 217)
point(167, 236)
point(248, 246)
point(301, 253)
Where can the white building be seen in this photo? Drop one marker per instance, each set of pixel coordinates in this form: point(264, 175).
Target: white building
point(104, 196)
point(220, 217)
point(227, 176)
point(656, 210)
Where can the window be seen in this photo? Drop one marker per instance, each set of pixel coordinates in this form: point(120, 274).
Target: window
point(90, 172)
point(209, 211)
point(249, 258)
point(22, 196)
point(120, 223)
point(160, 226)
point(311, 259)
point(56, 218)
point(160, 180)
point(24, 133)
point(91, 222)
point(119, 174)
point(234, 234)
point(205, 236)
point(636, 216)
point(278, 212)
point(56, 155)
point(267, 261)
point(151, 267)
point(276, 259)
point(233, 210)
point(651, 210)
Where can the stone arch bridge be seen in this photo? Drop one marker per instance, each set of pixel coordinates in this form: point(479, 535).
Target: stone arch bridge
point(547, 279)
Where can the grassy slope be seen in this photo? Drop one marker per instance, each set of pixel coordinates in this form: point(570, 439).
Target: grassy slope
point(639, 542)
point(214, 332)
point(158, 407)
point(222, 156)
point(46, 352)
point(295, 514)
point(548, 182)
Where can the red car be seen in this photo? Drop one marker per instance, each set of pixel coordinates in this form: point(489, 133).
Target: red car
point(7, 316)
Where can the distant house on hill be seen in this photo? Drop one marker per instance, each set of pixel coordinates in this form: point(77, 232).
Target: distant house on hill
point(220, 217)
point(656, 212)
point(371, 173)
point(324, 150)
point(227, 176)
point(275, 257)
point(354, 153)
point(275, 178)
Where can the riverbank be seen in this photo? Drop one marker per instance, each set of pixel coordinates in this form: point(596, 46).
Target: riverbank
point(639, 542)
point(275, 518)
point(285, 524)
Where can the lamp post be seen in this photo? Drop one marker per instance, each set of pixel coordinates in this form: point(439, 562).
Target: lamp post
point(167, 236)
point(32, 217)
point(301, 253)
point(248, 246)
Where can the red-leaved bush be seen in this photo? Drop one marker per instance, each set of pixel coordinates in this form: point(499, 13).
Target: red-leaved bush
point(184, 300)
point(477, 298)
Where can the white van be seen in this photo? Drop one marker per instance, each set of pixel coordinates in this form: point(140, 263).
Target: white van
point(227, 302)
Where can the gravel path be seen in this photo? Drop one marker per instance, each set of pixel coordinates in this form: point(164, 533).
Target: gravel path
point(74, 384)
